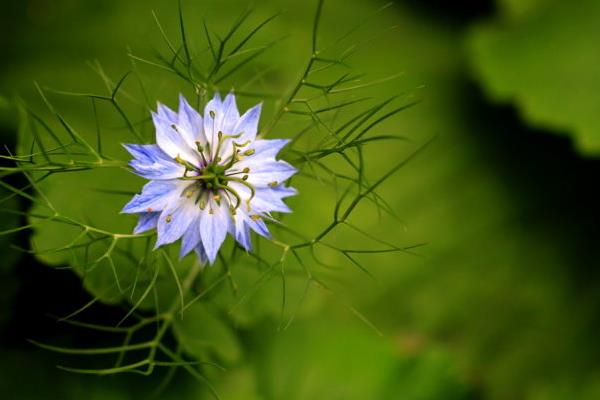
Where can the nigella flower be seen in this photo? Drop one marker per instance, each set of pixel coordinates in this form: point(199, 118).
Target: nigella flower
point(209, 176)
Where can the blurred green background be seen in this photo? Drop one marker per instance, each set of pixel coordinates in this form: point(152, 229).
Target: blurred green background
point(503, 302)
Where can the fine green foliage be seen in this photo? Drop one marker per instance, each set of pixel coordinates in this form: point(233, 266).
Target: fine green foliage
point(540, 55)
point(501, 303)
point(77, 180)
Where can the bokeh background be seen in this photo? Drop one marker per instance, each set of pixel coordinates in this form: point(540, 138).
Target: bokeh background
point(502, 302)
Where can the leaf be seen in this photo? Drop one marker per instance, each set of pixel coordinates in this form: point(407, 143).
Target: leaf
point(541, 56)
point(336, 360)
point(203, 333)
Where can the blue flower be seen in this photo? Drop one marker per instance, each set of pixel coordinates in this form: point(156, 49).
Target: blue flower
point(209, 176)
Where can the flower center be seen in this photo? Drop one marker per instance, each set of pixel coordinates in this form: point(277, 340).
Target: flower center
point(213, 178)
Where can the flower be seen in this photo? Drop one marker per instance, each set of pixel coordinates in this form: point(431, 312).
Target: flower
point(209, 176)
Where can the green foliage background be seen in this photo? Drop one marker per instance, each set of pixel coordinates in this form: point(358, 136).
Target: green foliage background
point(502, 302)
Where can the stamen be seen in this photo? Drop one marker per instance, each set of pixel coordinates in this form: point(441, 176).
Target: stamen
point(249, 186)
point(197, 177)
point(188, 165)
point(219, 143)
point(200, 149)
point(246, 143)
point(235, 194)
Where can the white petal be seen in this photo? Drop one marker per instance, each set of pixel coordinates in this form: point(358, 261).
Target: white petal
point(175, 220)
point(190, 123)
point(247, 125)
point(172, 142)
point(213, 228)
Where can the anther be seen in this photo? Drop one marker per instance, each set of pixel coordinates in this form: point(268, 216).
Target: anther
point(211, 113)
point(245, 177)
point(169, 218)
point(246, 170)
point(202, 204)
point(199, 147)
point(255, 217)
point(249, 152)
point(174, 127)
point(273, 184)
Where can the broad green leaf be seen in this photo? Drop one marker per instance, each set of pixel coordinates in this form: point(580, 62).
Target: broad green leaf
point(203, 333)
point(542, 57)
point(504, 286)
point(337, 360)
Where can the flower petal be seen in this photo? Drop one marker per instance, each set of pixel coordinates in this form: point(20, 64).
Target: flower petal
point(247, 125)
point(191, 237)
point(175, 220)
point(265, 172)
point(152, 163)
point(201, 253)
point(213, 116)
point(242, 232)
point(171, 141)
point(213, 228)
point(230, 115)
point(146, 222)
point(190, 123)
point(268, 148)
point(166, 113)
point(155, 196)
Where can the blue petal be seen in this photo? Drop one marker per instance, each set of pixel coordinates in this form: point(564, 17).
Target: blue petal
point(271, 199)
point(263, 172)
point(147, 153)
point(175, 220)
point(268, 148)
point(166, 113)
point(259, 227)
point(230, 114)
point(146, 222)
point(213, 229)
point(190, 123)
point(152, 163)
point(155, 196)
point(247, 125)
point(201, 253)
point(242, 233)
point(191, 237)
point(171, 141)
point(212, 124)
